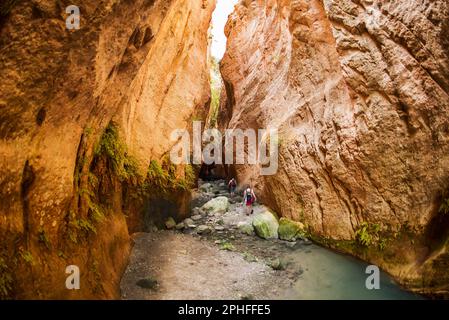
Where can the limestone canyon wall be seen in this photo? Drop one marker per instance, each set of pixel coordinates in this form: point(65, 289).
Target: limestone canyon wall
point(82, 114)
point(359, 91)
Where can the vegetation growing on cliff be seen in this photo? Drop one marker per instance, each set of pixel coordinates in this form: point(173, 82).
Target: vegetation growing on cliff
point(112, 147)
point(162, 177)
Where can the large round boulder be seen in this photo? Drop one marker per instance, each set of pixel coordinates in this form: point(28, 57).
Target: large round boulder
point(266, 225)
point(216, 205)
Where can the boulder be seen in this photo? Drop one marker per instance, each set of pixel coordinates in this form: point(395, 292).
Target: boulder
point(246, 228)
point(290, 230)
point(170, 223)
point(205, 187)
point(203, 229)
point(180, 226)
point(216, 205)
point(266, 225)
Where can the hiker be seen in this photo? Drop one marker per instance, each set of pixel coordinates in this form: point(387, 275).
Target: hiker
point(249, 197)
point(232, 185)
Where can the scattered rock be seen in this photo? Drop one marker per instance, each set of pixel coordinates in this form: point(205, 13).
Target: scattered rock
point(216, 205)
point(266, 225)
point(277, 264)
point(205, 187)
point(196, 217)
point(307, 242)
point(195, 211)
point(246, 228)
point(180, 226)
point(219, 228)
point(170, 223)
point(203, 229)
point(188, 221)
point(291, 244)
point(249, 257)
point(290, 230)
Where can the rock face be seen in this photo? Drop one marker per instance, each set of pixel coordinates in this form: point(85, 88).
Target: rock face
point(359, 91)
point(82, 113)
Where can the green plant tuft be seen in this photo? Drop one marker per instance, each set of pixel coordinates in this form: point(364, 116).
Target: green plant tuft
point(162, 178)
point(368, 235)
point(110, 146)
point(227, 246)
point(28, 257)
point(86, 225)
point(42, 238)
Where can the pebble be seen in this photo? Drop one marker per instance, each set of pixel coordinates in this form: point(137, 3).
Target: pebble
point(291, 244)
point(203, 229)
point(196, 217)
point(180, 226)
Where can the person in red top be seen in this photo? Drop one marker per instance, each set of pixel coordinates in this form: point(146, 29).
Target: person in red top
point(249, 197)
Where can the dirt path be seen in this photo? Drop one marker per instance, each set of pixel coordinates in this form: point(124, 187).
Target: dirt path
point(186, 268)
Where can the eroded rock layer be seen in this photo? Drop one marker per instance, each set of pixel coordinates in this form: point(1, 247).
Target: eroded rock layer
point(359, 92)
point(82, 114)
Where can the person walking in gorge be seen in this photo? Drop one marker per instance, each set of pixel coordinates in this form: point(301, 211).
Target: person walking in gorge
point(232, 185)
point(248, 199)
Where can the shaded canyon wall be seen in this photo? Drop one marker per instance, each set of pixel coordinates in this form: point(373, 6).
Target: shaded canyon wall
point(82, 114)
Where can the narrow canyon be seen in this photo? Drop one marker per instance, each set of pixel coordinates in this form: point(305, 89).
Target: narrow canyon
point(358, 91)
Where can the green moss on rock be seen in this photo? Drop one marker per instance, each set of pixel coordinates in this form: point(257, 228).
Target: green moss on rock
point(266, 225)
point(170, 223)
point(290, 230)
